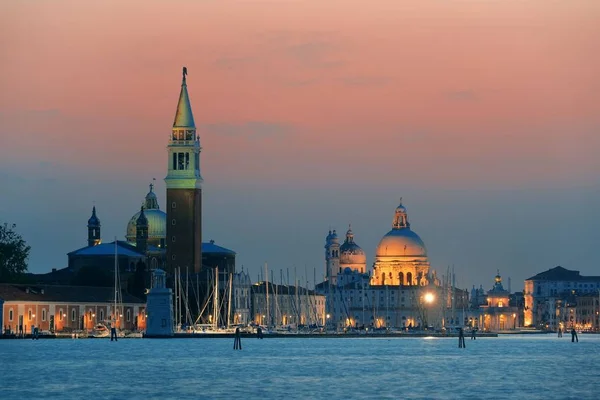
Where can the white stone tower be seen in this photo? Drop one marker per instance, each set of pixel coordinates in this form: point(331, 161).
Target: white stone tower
point(159, 307)
point(332, 257)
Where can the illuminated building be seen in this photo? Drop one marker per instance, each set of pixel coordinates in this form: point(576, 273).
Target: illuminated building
point(400, 291)
point(497, 314)
point(551, 297)
point(401, 256)
point(57, 308)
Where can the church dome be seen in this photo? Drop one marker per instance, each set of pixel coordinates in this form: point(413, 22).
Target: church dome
point(157, 220)
point(401, 241)
point(157, 226)
point(350, 252)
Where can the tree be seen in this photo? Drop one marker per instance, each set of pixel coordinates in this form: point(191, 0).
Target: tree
point(14, 252)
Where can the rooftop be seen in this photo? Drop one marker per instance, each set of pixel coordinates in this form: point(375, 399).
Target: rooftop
point(62, 294)
point(562, 274)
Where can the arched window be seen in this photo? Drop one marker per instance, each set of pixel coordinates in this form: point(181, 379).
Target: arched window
point(383, 278)
point(401, 278)
point(409, 278)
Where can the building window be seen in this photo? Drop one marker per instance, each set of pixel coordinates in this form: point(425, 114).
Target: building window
point(101, 315)
point(187, 161)
point(60, 314)
point(128, 315)
point(173, 257)
point(173, 222)
point(44, 314)
point(173, 205)
point(173, 238)
point(174, 161)
point(10, 314)
point(73, 315)
point(29, 314)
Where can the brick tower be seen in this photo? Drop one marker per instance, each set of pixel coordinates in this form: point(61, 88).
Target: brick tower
point(184, 189)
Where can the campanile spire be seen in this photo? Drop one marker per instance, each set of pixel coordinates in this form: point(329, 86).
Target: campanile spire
point(184, 188)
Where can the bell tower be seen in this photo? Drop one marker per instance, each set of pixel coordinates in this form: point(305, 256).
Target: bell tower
point(94, 229)
point(184, 189)
point(332, 257)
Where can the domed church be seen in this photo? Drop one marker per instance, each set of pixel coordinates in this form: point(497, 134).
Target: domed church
point(401, 256)
point(157, 225)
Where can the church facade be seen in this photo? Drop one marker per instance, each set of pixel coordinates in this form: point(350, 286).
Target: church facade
point(398, 292)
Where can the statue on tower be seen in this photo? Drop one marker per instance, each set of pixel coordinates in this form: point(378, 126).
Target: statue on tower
point(184, 72)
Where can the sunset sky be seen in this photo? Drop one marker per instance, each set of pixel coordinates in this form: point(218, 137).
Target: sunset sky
point(483, 115)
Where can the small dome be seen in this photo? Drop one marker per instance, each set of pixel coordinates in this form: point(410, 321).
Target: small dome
point(94, 221)
point(350, 252)
point(151, 201)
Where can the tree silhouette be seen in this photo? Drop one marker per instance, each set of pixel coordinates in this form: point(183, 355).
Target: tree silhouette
point(14, 252)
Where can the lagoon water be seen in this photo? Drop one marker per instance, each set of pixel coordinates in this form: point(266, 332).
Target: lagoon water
point(522, 367)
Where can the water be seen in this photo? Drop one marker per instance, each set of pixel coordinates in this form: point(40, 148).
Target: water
point(523, 367)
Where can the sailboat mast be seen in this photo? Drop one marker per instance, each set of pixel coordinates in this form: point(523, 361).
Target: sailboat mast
point(187, 293)
point(229, 300)
point(216, 300)
point(267, 293)
point(276, 304)
point(116, 266)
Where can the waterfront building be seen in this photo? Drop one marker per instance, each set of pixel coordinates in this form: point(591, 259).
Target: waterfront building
point(587, 312)
point(58, 308)
point(159, 307)
point(549, 296)
point(285, 305)
point(242, 300)
point(497, 314)
point(399, 292)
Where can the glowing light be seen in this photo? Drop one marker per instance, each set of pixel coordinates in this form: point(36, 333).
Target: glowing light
point(429, 297)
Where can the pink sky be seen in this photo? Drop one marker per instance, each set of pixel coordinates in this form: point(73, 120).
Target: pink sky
point(433, 95)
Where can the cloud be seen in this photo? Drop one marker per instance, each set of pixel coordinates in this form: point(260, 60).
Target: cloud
point(250, 129)
point(365, 80)
point(462, 95)
point(233, 62)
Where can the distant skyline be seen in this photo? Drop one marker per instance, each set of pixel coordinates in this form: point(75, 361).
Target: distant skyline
point(483, 116)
